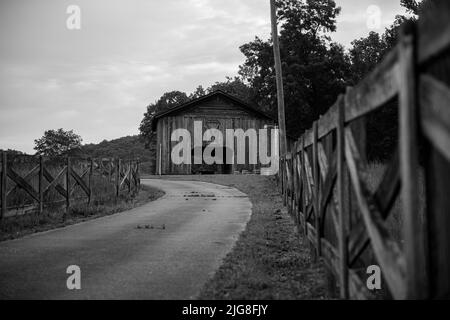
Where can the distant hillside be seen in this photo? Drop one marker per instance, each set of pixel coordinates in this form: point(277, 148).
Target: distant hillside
point(129, 147)
point(14, 152)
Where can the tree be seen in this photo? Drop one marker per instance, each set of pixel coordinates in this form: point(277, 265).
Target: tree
point(235, 87)
point(366, 53)
point(412, 6)
point(314, 70)
point(165, 102)
point(58, 143)
point(199, 92)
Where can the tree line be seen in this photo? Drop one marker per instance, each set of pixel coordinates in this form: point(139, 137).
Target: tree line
point(315, 71)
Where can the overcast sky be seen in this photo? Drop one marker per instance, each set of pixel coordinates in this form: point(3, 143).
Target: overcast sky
point(98, 80)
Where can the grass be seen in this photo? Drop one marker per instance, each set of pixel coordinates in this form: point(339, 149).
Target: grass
point(270, 260)
point(56, 217)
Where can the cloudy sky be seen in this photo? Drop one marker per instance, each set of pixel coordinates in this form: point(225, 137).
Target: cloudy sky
point(98, 80)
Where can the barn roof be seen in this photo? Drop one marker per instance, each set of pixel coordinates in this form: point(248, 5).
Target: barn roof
point(211, 95)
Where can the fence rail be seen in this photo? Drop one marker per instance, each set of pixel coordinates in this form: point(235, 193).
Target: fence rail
point(325, 183)
point(70, 178)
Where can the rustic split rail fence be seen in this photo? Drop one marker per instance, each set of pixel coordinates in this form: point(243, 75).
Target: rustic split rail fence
point(325, 176)
point(29, 183)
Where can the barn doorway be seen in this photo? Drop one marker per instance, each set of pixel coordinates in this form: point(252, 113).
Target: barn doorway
point(210, 168)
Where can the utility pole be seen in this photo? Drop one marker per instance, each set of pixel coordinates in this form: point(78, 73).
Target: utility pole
point(279, 79)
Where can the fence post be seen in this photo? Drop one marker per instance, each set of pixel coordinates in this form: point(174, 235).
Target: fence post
point(316, 187)
point(416, 278)
point(110, 167)
point(305, 185)
point(41, 185)
point(90, 179)
point(296, 183)
point(68, 171)
point(288, 185)
point(3, 183)
point(138, 175)
point(134, 177)
point(342, 237)
point(293, 188)
point(117, 178)
point(283, 182)
point(129, 176)
point(299, 183)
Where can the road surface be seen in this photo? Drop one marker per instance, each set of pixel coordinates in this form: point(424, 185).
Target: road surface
point(166, 249)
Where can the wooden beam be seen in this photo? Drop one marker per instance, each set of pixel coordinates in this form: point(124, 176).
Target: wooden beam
point(91, 168)
point(117, 177)
point(308, 175)
point(3, 183)
point(77, 179)
point(389, 187)
point(331, 257)
point(379, 87)
point(41, 185)
point(435, 113)
point(323, 161)
point(304, 182)
point(53, 182)
point(316, 189)
point(342, 234)
point(29, 174)
point(22, 184)
point(68, 170)
point(384, 198)
point(386, 250)
point(414, 236)
point(327, 122)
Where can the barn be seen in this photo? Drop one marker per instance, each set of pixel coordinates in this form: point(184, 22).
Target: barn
point(217, 110)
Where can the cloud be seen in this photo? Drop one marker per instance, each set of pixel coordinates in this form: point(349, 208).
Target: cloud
point(99, 79)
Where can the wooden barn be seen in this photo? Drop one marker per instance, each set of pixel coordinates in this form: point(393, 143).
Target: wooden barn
point(217, 110)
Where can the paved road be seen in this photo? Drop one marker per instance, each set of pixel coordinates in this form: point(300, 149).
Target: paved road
point(194, 225)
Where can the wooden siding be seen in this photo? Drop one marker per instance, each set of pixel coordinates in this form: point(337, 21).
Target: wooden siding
point(226, 114)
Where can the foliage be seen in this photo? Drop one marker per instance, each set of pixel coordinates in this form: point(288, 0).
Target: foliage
point(366, 53)
point(129, 147)
point(235, 87)
point(57, 143)
point(167, 101)
point(199, 92)
point(314, 70)
point(412, 6)
point(14, 152)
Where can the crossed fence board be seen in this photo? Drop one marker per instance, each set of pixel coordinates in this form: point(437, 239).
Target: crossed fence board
point(124, 175)
point(325, 176)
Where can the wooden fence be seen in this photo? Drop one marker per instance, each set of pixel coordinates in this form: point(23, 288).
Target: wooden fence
point(69, 178)
point(325, 175)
